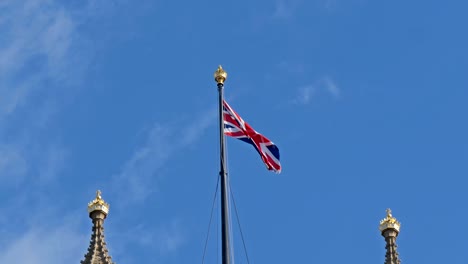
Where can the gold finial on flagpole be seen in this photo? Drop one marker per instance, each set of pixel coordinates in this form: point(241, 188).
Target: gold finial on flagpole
point(220, 75)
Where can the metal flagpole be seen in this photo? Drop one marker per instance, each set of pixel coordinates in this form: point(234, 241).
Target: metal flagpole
point(220, 76)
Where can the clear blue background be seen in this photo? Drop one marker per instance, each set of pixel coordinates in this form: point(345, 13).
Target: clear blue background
point(367, 101)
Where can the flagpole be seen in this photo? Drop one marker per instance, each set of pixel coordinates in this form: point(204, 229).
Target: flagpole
point(220, 76)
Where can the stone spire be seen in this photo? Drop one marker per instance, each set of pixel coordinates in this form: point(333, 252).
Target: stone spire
point(390, 228)
point(97, 250)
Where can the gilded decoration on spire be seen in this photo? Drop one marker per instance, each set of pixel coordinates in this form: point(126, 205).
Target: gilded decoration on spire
point(220, 75)
point(98, 204)
point(389, 222)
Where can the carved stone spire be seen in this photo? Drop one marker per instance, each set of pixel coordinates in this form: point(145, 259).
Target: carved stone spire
point(390, 229)
point(97, 250)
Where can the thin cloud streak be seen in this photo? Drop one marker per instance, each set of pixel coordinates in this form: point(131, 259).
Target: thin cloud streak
point(40, 43)
point(283, 9)
point(46, 240)
point(165, 239)
point(38, 238)
point(171, 238)
point(140, 176)
point(13, 165)
point(53, 246)
point(330, 4)
point(140, 173)
point(42, 53)
point(306, 93)
point(331, 87)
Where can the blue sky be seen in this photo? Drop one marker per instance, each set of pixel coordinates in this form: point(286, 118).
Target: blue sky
point(367, 101)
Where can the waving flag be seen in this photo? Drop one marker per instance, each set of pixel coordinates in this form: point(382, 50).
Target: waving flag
point(235, 126)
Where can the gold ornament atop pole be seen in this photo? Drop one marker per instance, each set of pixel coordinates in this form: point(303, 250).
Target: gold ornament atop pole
point(220, 75)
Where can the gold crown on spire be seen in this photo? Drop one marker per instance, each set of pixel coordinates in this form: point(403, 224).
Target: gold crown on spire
point(98, 204)
point(389, 222)
point(220, 75)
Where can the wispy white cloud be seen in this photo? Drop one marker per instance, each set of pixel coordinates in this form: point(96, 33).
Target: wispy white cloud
point(29, 163)
point(283, 9)
point(171, 237)
point(329, 4)
point(43, 239)
point(39, 246)
point(142, 167)
point(286, 11)
point(295, 68)
point(277, 11)
point(331, 87)
point(140, 173)
point(140, 178)
point(39, 43)
point(159, 240)
point(39, 51)
point(326, 85)
point(165, 239)
point(305, 94)
point(13, 166)
point(53, 162)
point(42, 54)
point(36, 237)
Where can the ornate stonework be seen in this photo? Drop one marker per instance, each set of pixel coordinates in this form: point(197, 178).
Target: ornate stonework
point(97, 250)
point(98, 253)
point(390, 229)
point(389, 222)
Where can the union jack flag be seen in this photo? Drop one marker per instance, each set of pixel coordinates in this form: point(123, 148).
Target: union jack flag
point(235, 126)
